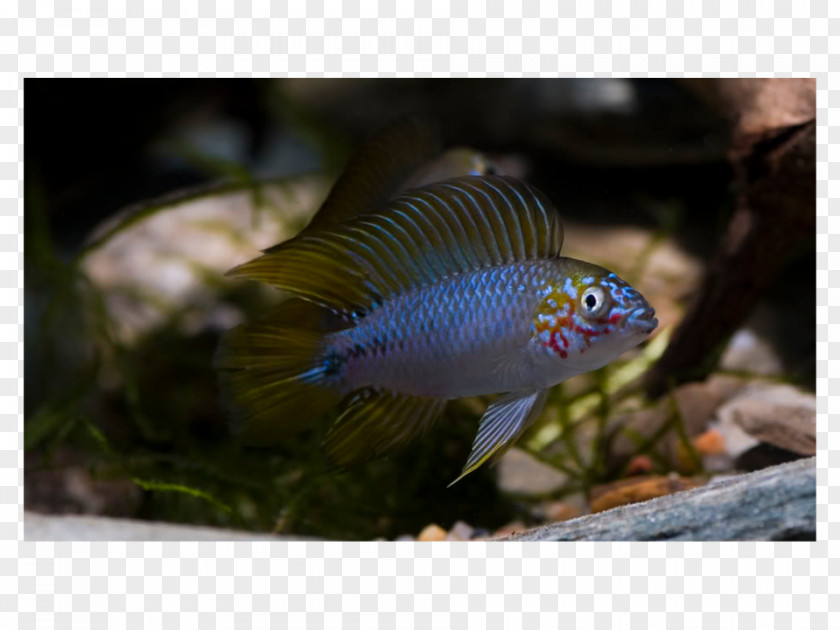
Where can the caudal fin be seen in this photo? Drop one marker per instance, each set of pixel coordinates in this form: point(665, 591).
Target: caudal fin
point(275, 380)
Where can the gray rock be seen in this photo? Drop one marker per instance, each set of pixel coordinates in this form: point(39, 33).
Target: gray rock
point(777, 503)
point(49, 527)
point(749, 352)
point(777, 414)
point(519, 473)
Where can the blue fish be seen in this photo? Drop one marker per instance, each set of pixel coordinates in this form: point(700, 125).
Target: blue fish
point(456, 288)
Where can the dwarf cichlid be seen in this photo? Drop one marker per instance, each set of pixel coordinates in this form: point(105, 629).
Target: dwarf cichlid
point(453, 289)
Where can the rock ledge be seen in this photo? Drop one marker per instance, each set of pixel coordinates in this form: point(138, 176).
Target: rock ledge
point(777, 503)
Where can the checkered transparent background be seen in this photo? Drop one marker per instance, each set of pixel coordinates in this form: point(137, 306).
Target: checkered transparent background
point(508, 585)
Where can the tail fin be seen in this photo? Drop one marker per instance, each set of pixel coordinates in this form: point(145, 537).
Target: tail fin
point(275, 380)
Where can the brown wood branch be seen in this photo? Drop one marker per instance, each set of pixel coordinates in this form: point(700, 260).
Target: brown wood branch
point(775, 170)
point(756, 106)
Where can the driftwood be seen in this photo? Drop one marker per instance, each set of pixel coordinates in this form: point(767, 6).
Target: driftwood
point(777, 503)
point(773, 154)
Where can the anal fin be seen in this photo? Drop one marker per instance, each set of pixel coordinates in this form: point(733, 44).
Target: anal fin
point(503, 422)
point(375, 422)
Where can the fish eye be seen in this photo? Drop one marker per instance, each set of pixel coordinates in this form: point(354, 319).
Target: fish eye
point(593, 301)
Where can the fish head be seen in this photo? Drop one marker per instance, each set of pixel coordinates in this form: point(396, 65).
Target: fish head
point(588, 316)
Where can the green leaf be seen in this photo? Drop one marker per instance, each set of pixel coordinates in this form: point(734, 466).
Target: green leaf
point(48, 422)
point(158, 486)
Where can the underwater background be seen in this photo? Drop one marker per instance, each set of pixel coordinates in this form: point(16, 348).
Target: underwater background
point(140, 194)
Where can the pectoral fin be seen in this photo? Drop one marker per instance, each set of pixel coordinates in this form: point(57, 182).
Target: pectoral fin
point(503, 422)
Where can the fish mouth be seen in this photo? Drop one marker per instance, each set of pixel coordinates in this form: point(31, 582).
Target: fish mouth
point(643, 319)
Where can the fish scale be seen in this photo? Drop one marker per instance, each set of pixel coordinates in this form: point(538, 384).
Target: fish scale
point(440, 339)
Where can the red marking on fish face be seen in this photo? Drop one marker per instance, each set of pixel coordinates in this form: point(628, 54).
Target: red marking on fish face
point(553, 331)
point(588, 332)
point(556, 340)
point(555, 346)
point(613, 319)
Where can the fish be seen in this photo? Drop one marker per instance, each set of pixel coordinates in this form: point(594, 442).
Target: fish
point(454, 289)
point(425, 276)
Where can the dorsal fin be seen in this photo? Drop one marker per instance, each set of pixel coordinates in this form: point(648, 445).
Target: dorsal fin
point(424, 235)
point(293, 312)
point(378, 170)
